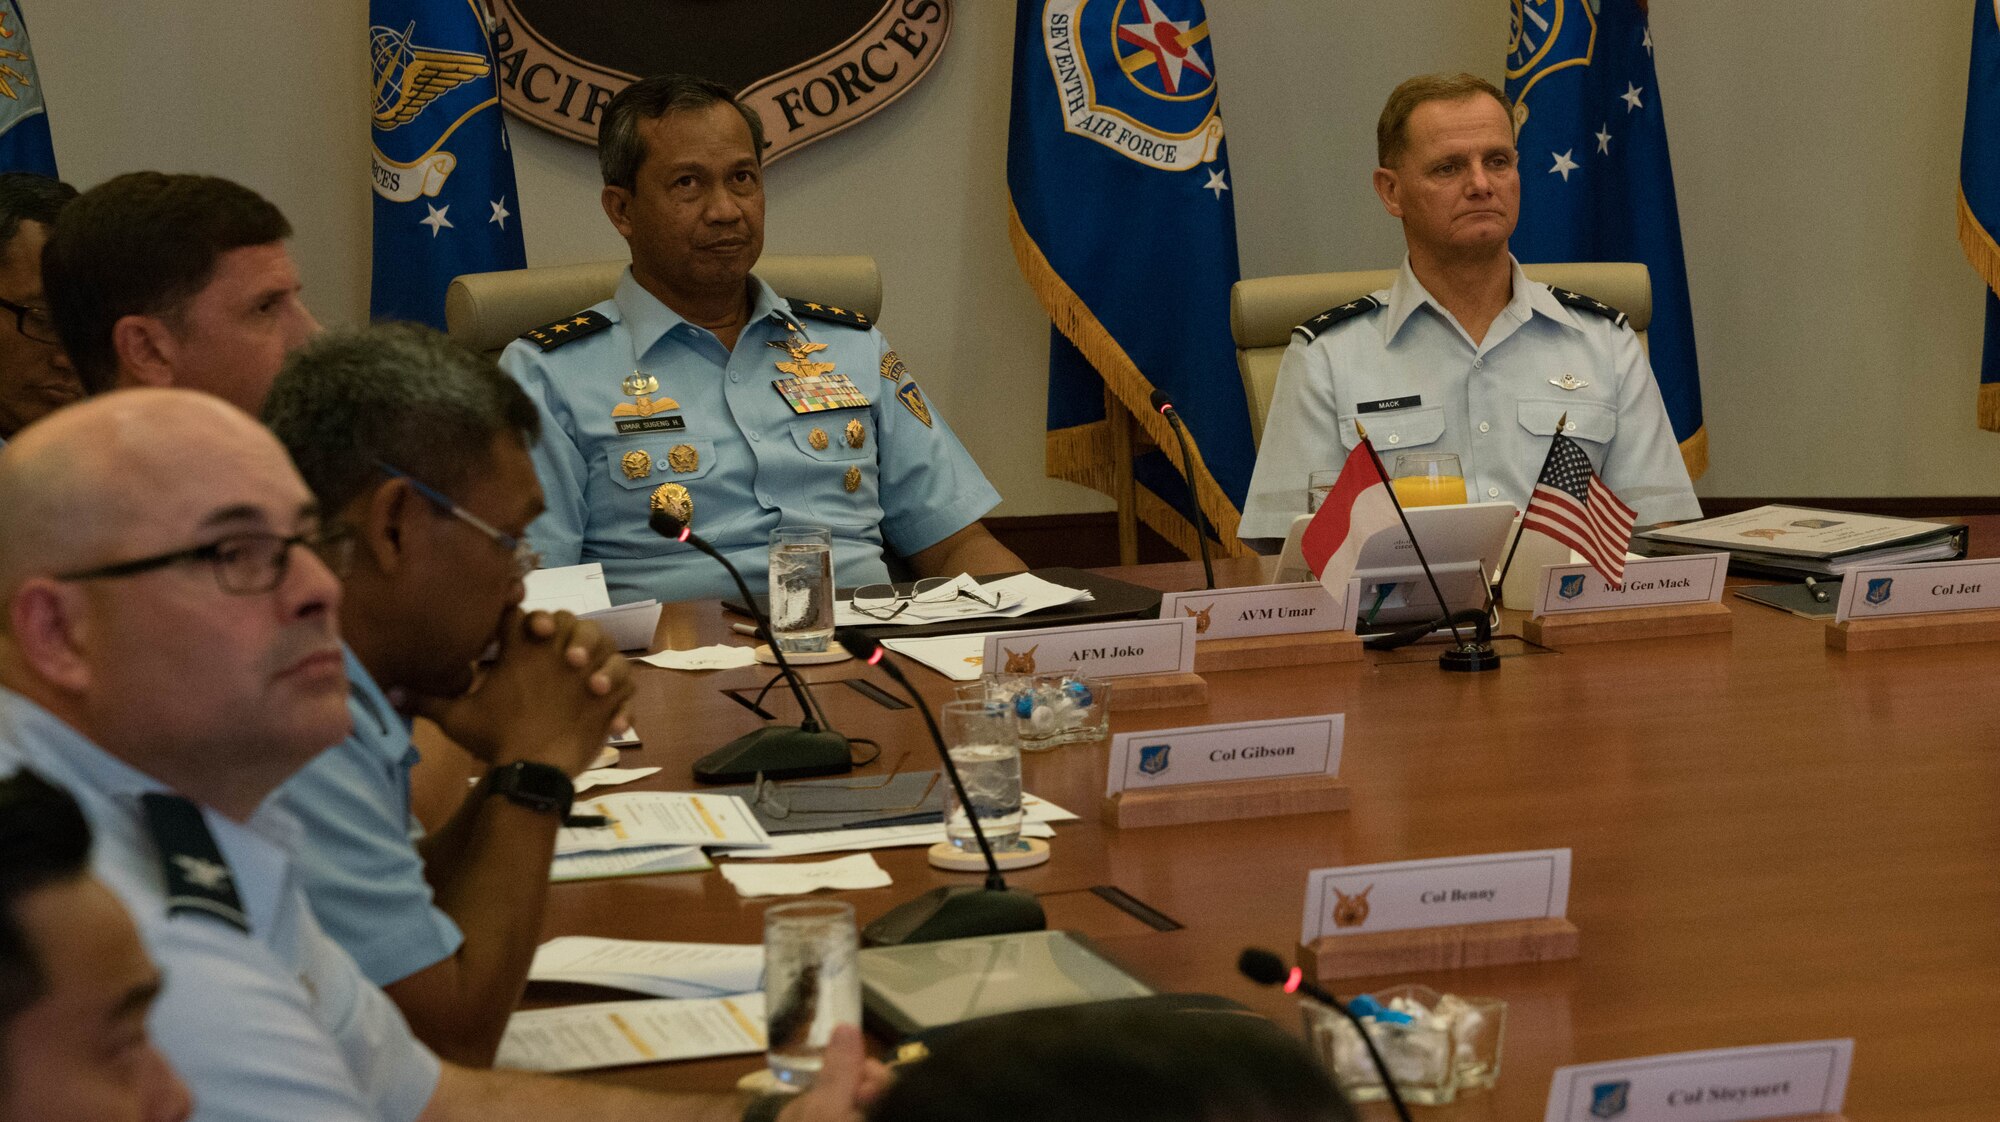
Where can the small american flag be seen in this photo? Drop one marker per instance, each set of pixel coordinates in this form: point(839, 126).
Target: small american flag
point(1573, 506)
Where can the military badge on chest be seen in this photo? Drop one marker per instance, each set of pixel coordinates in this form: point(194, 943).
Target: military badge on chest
point(813, 387)
point(646, 413)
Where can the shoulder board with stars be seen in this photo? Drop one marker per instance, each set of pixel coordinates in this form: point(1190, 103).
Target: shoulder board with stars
point(568, 329)
point(814, 310)
point(1584, 303)
point(197, 878)
point(1334, 316)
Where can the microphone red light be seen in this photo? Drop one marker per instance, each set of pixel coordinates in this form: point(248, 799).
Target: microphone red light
point(685, 531)
point(1292, 982)
point(875, 657)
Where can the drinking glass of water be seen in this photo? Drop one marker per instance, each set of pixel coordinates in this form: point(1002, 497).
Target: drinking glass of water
point(812, 984)
point(985, 746)
point(802, 588)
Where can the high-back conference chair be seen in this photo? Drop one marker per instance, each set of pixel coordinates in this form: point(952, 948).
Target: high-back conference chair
point(486, 311)
point(1263, 311)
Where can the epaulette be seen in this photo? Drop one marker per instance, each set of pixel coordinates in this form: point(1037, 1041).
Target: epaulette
point(197, 878)
point(568, 329)
point(1337, 314)
point(1581, 302)
point(814, 310)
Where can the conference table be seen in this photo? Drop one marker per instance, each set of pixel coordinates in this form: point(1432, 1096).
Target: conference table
point(1773, 841)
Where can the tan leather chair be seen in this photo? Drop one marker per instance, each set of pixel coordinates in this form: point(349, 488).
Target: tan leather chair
point(486, 311)
point(1263, 311)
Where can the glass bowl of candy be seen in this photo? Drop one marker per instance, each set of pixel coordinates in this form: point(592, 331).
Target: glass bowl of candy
point(1065, 708)
point(1435, 1045)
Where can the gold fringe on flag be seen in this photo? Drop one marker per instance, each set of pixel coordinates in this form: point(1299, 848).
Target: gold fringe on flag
point(1694, 452)
point(1984, 255)
point(1082, 454)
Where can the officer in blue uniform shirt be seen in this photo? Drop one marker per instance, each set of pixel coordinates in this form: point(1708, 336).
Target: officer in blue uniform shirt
point(1464, 354)
point(698, 389)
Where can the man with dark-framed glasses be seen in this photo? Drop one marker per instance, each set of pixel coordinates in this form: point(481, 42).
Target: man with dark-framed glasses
point(419, 449)
point(143, 670)
point(35, 374)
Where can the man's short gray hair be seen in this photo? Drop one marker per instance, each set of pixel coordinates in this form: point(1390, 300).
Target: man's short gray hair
point(396, 393)
point(620, 150)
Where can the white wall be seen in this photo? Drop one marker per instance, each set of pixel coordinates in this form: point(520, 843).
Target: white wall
point(1815, 144)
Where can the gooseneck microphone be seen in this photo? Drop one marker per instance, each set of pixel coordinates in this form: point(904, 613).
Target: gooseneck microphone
point(774, 751)
point(1267, 969)
point(954, 912)
point(1173, 416)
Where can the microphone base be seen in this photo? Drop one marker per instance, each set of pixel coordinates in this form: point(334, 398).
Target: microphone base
point(956, 912)
point(1470, 658)
point(778, 752)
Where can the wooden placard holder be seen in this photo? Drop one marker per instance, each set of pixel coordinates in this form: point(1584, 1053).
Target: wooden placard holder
point(1256, 652)
point(1661, 621)
point(1221, 802)
point(1439, 948)
point(1157, 691)
point(1912, 631)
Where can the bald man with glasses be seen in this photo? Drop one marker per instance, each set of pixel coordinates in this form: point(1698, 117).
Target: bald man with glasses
point(418, 448)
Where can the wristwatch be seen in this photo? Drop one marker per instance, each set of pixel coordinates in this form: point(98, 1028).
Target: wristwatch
point(539, 787)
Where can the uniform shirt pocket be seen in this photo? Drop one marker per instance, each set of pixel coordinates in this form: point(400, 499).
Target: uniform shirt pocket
point(1588, 421)
point(645, 464)
point(1400, 430)
point(827, 436)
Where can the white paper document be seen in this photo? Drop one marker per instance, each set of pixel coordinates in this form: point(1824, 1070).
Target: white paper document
point(718, 657)
point(961, 658)
point(576, 589)
point(1001, 599)
point(600, 864)
point(658, 969)
point(612, 776)
point(651, 818)
point(619, 1033)
point(631, 626)
point(858, 871)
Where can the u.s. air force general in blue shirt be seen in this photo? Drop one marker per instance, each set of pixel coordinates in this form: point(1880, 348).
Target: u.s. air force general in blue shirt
point(811, 420)
point(263, 1015)
point(1401, 366)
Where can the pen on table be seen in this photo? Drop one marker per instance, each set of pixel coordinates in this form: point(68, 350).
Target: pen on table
point(587, 821)
point(1819, 594)
point(744, 629)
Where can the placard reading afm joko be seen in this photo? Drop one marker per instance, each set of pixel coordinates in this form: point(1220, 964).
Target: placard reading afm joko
point(809, 70)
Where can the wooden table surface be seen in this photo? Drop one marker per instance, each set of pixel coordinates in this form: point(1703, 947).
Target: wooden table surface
point(1772, 841)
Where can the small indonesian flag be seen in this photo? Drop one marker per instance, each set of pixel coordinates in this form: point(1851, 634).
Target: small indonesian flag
point(1358, 507)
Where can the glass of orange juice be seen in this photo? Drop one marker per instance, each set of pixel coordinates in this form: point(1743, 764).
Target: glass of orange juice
point(1428, 479)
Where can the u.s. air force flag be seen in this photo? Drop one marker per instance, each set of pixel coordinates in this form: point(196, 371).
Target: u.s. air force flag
point(1123, 225)
point(444, 176)
point(24, 116)
point(1979, 192)
point(1596, 183)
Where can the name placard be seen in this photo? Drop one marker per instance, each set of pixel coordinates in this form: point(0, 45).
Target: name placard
point(1649, 582)
point(1153, 646)
point(1873, 591)
point(1264, 609)
point(1441, 892)
point(1220, 753)
point(1721, 1085)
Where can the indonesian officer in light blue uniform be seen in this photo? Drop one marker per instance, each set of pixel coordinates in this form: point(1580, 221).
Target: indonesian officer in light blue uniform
point(698, 389)
point(170, 657)
point(1463, 354)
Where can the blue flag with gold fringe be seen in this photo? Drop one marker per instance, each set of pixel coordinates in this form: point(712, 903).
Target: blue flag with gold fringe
point(1979, 192)
point(25, 143)
point(1123, 224)
point(443, 174)
point(1596, 182)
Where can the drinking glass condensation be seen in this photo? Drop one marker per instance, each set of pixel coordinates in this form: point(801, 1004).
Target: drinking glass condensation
point(1428, 479)
point(801, 586)
point(812, 984)
point(985, 747)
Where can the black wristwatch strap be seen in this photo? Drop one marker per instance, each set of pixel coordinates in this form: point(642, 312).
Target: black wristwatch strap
point(539, 787)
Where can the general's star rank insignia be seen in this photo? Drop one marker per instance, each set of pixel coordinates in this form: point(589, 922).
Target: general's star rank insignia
point(683, 458)
point(675, 500)
point(892, 366)
point(856, 435)
point(913, 400)
point(568, 329)
point(852, 480)
point(636, 464)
